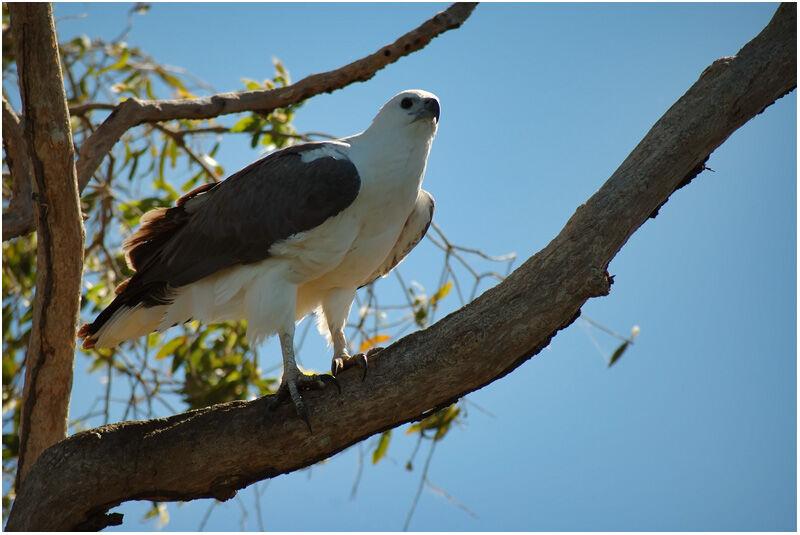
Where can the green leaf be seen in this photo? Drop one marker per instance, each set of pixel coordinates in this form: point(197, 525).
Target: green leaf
point(163, 158)
point(82, 43)
point(135, 165)
point(152, 512)
point(383, 445)
point(447, 419)
point(421, 316)
point(618, 353)
point(441, 292)
point(96, 364)
point(168, 348)
point(148, 87)
point(121, 62)
point(10, 445)
point(173, 154)
point(163, 185)
point(176, 363)
point(279, 68)
point(245, 124)
point(171, 79)
point(252, 85)
point(267, 140)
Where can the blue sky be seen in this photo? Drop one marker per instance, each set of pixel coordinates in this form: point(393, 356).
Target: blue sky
point(695, 427)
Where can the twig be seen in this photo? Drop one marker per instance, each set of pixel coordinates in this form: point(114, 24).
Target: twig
point(177, 137)
point(202, 525)
point(359, 470)
point(451, 499)
point(593, 323)
point(485, 411)
point(421, 484)
point(257, 502)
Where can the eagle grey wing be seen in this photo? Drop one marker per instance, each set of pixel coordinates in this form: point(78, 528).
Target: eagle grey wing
point(232, 222)
point(237, 220)
point(413, 231)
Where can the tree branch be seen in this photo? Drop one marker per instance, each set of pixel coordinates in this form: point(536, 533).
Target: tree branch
point(133, 111)
point(229, 446)
point(51, 350)
point(18, 217)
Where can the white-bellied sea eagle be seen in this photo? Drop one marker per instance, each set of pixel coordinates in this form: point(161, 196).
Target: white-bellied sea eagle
point(299, 230)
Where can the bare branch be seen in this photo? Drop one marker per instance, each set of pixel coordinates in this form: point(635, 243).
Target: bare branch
point(134, 111)
point(60, 234)
point(83, 109)
point(235, 444)
point(18, 217)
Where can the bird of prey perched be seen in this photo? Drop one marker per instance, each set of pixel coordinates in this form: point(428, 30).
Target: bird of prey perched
point(299, 230)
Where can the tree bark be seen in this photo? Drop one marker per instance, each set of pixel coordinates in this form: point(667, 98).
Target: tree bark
point(226, 447)
point(47, 136)
point(18, 218)
point(133, 111)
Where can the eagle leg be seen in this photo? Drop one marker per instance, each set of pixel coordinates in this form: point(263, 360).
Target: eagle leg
point(293, 381)
point(340, 364)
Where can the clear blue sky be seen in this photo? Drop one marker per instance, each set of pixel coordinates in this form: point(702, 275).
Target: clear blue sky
point(695, 427)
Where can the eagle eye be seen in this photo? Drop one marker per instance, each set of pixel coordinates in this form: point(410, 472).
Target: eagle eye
point(405, 103)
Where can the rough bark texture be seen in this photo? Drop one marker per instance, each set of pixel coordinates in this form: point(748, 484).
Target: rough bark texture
point(47, 135)
point(134, 111)
point(18, 217)
point(226, 447)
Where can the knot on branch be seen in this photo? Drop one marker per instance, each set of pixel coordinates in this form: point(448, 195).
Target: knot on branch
point(717, 67)
point(598, 283)
point(455, 15)
point(129, 106)
point(225, 488)
point(99, 521)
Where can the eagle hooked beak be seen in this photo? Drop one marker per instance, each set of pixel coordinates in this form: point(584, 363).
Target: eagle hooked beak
point(429, 109)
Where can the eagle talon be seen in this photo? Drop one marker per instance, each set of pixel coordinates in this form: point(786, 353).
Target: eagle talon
point(339, 364)
point(342, 363)
point(291, 389)
point(362, 359)
point(330, 379)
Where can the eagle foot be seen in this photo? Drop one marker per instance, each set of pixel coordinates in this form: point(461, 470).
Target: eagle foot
point(291, 388)
point(340, 364)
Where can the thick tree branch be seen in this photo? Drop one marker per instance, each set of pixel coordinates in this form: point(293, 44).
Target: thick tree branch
point(226, 447)
point(133, 111)
point(18, 217)
point(51, 350)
